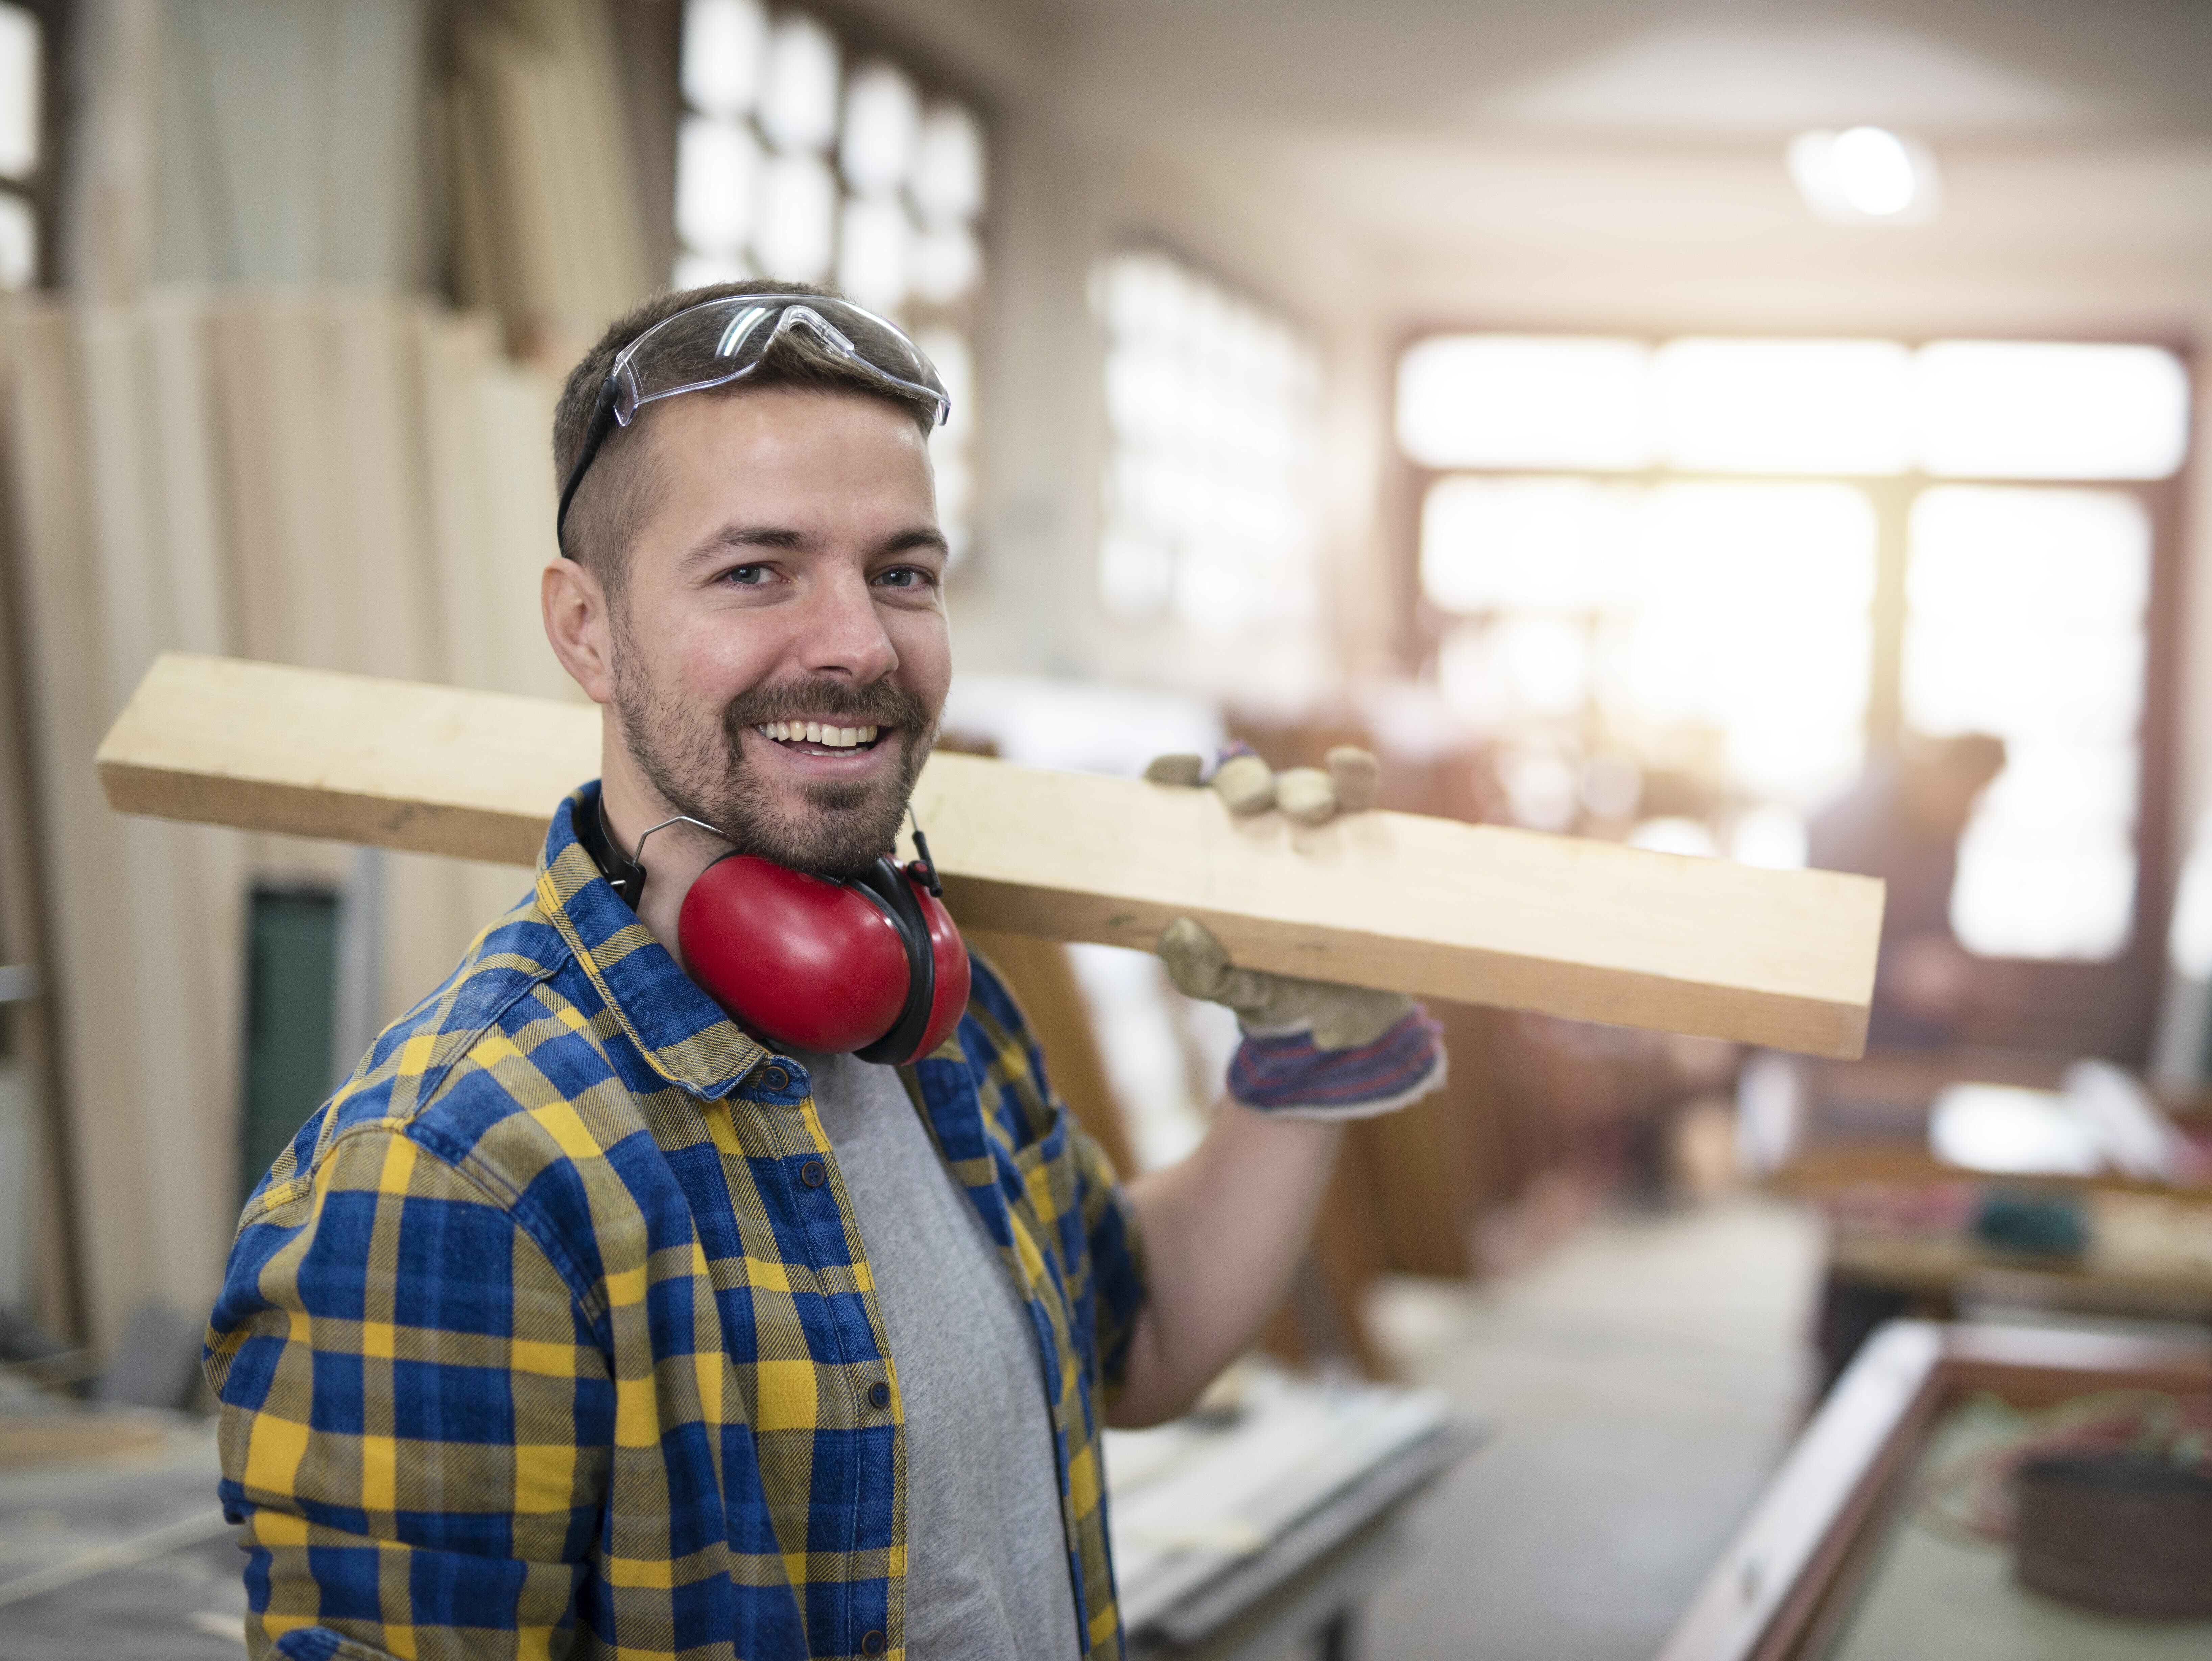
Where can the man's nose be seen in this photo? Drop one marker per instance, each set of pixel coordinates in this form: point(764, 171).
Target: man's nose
point(842, 634)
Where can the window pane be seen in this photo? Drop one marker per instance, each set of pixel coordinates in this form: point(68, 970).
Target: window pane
point(20, 104)
point(2024, 619)
point(2025, 890)
point(952, 447)
point(717, 163)
point(799, 92)
point(797, 214)
point(19, 243)
point(1751, 616)
point(2025, 613)
point(1527, 544)
point(1210, 513)
point(1515, 670)
point(948, 167)
point(697, 270)
point(724, 42)
point(1803, 406)
point(881, 116)
point(946, 263)
point(1525, 401)
point(2027, 409)
point(874, 246)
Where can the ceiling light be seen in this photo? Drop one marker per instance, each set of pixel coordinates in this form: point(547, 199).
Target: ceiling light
point(1864, 176)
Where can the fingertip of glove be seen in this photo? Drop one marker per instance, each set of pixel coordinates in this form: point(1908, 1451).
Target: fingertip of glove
point(1246, 784)
point(1305, 794)
point(1356, 774)
point(1180, 768)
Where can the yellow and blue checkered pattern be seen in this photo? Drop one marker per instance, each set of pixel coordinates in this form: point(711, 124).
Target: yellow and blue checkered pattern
point(551, 1333)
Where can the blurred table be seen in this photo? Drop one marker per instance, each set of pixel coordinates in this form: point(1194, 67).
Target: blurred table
point(112, 1547)
point(1912, 1235)
point(1263, 1530)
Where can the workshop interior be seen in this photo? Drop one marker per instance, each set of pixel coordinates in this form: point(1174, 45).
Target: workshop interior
point(1747, 433)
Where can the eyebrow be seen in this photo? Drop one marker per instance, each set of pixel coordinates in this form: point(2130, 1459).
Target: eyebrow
point(733, 538)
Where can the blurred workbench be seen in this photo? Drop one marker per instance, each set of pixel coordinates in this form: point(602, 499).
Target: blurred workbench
point(1259, 1528)
point(1935, 1222)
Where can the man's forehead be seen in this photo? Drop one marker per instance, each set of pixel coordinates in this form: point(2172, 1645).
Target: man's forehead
point(792, 431)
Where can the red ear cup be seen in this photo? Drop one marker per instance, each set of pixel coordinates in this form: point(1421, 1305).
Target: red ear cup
point(801, 960)
point(948, 1000)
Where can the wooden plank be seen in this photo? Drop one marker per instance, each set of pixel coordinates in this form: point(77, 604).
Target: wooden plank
point(1477, 913)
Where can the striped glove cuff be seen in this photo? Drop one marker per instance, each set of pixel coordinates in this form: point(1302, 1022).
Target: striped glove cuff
point(1285, 1074)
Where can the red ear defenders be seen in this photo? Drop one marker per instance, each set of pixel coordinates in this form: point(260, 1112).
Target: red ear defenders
point(872, 964)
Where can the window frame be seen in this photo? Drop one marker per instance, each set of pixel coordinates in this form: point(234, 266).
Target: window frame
point(2108, 1008)
point(41, 188)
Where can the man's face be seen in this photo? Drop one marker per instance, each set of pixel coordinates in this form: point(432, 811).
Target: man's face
point(780, 649)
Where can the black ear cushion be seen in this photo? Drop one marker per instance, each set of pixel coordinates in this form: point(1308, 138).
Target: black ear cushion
point(888, 886)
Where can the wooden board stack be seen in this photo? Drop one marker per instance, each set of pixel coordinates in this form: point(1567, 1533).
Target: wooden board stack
point(1474, 913)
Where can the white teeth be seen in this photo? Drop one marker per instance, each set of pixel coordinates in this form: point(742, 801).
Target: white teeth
point(814, 732)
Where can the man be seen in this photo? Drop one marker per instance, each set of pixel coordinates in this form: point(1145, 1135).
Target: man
point(581, 1321)
point(1902, 822)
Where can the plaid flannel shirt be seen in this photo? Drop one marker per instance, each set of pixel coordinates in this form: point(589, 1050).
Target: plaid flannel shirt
point(552, 1333)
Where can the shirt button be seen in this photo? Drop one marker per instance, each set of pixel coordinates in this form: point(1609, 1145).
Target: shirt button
point(872, 1643)
point(813, 1174)
point(775, 1078)
point(879, 1394)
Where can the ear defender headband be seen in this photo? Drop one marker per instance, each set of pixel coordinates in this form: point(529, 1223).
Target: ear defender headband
point(870, 964)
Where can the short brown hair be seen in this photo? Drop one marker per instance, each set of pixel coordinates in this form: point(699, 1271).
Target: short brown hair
point(610, 501)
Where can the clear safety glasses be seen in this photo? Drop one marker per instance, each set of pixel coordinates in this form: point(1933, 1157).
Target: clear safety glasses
point(719, 340)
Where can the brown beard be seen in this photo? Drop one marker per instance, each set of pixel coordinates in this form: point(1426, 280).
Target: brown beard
point(699, 767)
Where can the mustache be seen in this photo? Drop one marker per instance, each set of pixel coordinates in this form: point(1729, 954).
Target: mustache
point(878, 703)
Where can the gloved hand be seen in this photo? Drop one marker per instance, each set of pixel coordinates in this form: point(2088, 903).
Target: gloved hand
point(1308, 794)
point(1312, 1049)
point(1337, 1017)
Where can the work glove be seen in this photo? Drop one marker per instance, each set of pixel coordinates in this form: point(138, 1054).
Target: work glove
point(1312, 1049)
point(1308, 794)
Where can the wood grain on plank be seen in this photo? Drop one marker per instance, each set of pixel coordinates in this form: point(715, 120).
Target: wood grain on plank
point(1480, 913)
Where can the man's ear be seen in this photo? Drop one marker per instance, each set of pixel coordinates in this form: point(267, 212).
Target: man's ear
point(575, 606)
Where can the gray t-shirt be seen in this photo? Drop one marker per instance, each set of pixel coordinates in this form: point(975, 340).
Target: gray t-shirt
point(988, 1576)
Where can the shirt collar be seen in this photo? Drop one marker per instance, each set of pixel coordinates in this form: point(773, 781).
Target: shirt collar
point(681, 1032)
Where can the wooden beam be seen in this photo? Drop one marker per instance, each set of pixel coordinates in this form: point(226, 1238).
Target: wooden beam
point(1477, 913)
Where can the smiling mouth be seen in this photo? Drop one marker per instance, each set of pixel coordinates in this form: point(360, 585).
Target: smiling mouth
point(818, 737)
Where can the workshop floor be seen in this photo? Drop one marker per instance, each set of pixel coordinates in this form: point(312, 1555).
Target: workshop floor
point(1644, 1377)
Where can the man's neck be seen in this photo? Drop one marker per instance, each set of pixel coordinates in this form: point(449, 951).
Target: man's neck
point(672, 858)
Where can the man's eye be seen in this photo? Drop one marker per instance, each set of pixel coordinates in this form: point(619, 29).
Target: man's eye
point(749, 576)
point(904, 576)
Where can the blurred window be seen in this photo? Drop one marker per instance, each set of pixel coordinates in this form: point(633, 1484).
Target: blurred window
point(1611, 589)
point(23, 164)
point(2026, 620)
point(1212, 403)
point(2011, 409)
point(1738, 610)
point(1784, 406)
point(1525, 401)
point(798, 158)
